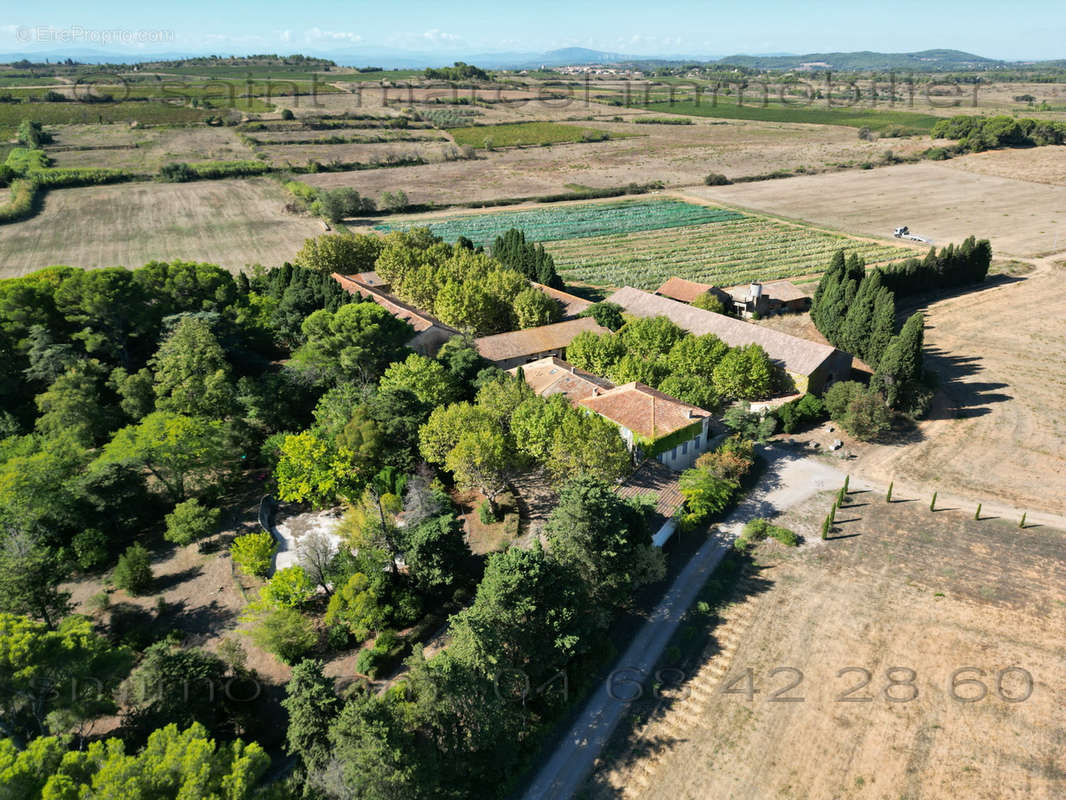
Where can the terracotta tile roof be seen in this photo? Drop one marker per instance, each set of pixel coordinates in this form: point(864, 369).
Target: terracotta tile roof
point(571, 303)
point(531, 341)
point(418, 320)
point(654, 477)
point(799, 356)
point(683, 290)
point(645, 411)
point(551, 375)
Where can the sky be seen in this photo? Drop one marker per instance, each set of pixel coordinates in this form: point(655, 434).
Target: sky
point(1030, 29)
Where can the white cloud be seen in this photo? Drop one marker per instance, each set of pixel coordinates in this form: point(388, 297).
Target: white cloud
point(319, 35)
point(286, 36)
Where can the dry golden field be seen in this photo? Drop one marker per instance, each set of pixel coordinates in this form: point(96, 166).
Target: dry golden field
point(947, 204)
point(678, 155)
point(902, 595)
point(232, 223)
point(142, 150)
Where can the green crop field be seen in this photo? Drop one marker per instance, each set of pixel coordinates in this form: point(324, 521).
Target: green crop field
point(145, 113)
point(721, 253)
point(574, 222)
point(512, 134)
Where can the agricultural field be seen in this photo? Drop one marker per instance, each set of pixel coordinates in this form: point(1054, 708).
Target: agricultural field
point(997, 429)
point(908, 122)
point(642, 243)
point(525, 134)
point(906, 597)
point(1035, 164)
point(946, 204)
point(142, 150)
point(574, 221)
point(232, 223)
point(11, 114)
point(735, 251)
point(429, 150)
point(677, 155)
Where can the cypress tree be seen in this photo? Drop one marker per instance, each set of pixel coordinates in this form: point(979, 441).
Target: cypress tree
point(888, 497)
point(1022, 523)
point(977, 513)
point(882, 326)
point(825, 528)
point(847, 481)
point(901, 362)
point(932, 503)
point(855, 331)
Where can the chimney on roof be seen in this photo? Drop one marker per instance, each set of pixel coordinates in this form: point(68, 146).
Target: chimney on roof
point(691, 414)
point(572, 371)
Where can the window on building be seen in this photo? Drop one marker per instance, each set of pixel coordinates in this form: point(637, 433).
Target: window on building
point(684, 448)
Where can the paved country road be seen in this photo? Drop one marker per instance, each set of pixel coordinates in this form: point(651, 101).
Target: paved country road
point(789, 479)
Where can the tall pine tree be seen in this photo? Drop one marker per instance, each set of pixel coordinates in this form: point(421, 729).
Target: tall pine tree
point(901, 363)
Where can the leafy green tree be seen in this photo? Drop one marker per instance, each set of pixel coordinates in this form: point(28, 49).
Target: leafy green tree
point(530, 613)
point(345, 254)
point(360, 604)
point(112, 308)
point(597, 353)
point(189, 522)
point(588, 444)
point(631, 367)
point(285, 632)
point(30, 578)
point(533, 308)
point(429, 380)
point(751, 425)
point(376, 756)
point(436, 554)
point(175, 449)
point(55, 680)
point(609, 315)
point(839, 396)
point(471, 308)
point(461, 358)
point(315, 470)
point(312, 705)
point(172, 765)
point(709, 301)
point(356, 343)
point(867, 416)
point(705, 495)
point(73, 404)
point(650, 337)
point(745, 373)
point(534, 424)
point(485, 461)
point(501, 395)
point(289, 588)
point(136, 392)
point(446, 424)
point(192, 375)
point(182, 685)
point(253, 552)
point(133, 572)
point(604, 540)
point(696, 356)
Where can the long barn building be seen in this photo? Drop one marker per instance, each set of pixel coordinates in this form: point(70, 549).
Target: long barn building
point(811, 365)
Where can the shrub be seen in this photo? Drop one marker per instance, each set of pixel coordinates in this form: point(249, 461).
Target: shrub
point(286, 113)
point(289, 587)
point(758, 529)
point(189, 522)
point(716, 179)
point(486, 513)
point(90, 548)
point(253, 552)
point(800, 413)
point(134, 570)
point(176, 173)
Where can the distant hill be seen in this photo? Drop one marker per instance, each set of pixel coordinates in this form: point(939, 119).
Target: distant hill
point(924, 61)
